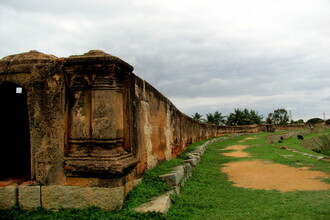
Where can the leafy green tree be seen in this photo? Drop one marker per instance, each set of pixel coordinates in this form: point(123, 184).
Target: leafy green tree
point(314, 121)
point(236, 118)
point(197, 117)
point(278, 117)
point(216, 118)
point(300, 121)
point(255, 117)
point(244, 117)
point(327, 122)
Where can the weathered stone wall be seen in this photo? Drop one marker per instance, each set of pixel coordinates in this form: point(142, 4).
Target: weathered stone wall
point(320, 143)
point(290, 127)
point(41, 76)
point(94, 124)
point(163, 131)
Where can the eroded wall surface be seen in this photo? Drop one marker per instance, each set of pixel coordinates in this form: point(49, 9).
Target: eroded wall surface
point(95, 124)
point(41, 76)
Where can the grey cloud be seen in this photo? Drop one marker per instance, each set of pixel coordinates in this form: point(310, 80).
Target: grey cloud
point(326, 99)
point(215, 54)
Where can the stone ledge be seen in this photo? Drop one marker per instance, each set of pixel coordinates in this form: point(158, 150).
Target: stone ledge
point(157, 204)
point(8, 197)
point(29, 197)
point(193, 162)
point(174, 178)
point(55, 197)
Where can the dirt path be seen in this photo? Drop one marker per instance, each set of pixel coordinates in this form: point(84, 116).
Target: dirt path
point(261, 174)
point(238, 151)
point(245, 139)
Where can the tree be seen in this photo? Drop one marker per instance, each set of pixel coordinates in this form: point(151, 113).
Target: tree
point(300, 121)
point(255, 117)
point(216, 118)
point(244, 117)
point(197, 117)
point(278, 117)
point(327, 122)
point(314, 121)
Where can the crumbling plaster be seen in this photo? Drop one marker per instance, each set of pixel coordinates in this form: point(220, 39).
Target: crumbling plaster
point(94, 123)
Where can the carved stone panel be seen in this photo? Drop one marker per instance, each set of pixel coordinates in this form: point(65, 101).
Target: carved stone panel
point(96, 126)
point(104, 115)
point(80, 110)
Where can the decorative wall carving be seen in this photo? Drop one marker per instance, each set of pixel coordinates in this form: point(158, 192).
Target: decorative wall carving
point(96, 121)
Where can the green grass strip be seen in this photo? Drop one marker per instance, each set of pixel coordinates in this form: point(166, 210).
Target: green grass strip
point(209, 195)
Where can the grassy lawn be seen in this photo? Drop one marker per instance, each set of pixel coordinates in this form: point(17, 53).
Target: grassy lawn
point(209, 195)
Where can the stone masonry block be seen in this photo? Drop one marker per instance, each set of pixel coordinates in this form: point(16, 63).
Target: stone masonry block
point(29, 197)
point(179, 169)
point(8, 197)
point(55, 197)
point(170, 179)
point(193, 162)
point(174, 178)
point(157, 204)
point(200, 152)
point(187, 168)
point(193, 156)
point(201, 148)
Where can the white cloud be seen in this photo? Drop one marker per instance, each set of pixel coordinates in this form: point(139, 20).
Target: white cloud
point(205, 56)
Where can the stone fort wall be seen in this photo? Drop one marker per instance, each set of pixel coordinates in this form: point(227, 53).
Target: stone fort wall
point(94, 129)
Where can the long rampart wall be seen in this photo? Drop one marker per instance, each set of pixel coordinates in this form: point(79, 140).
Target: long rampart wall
point(165, 132)
point(95, 128)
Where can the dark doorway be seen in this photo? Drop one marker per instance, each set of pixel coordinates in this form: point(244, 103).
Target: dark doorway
point(15, 158)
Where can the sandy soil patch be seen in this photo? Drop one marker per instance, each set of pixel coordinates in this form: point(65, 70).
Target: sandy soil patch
point(238, 151)
point(259, 174)
point(239, 154)
point(236, 147)
point(246, 139)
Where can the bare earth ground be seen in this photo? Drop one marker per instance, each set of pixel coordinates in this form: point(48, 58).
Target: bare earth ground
point(248, 138)
point(261, 174)
point(238, 154)
point(239, 151)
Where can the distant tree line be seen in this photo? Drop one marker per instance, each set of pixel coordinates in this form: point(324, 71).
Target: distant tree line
point(249, 117)
point(238, 117)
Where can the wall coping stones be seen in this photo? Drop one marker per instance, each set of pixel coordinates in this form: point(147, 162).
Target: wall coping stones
point(98, 55)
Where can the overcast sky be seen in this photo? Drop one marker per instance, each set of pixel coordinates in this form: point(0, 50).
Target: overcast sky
point(203, 55)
